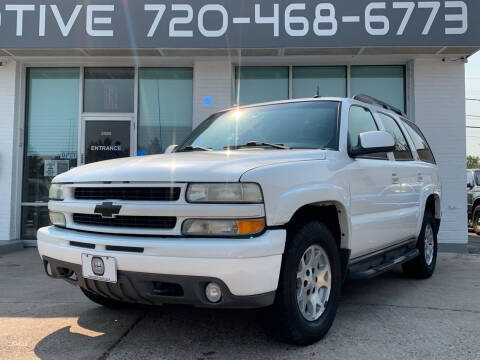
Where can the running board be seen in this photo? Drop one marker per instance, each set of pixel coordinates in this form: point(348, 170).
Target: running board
point(383, 267)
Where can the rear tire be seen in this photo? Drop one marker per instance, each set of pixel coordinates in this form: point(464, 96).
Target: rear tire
point(311, 285)
point(423, 266)
point(104, 301)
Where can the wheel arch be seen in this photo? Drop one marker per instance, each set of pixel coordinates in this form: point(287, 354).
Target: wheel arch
point(475, 204)
point(331, 213)
point(434, 206)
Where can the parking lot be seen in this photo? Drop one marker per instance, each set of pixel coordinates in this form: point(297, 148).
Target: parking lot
point(390, 317)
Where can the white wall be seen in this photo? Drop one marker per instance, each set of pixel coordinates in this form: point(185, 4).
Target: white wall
point(438, 93)
point(213, 78)
point(7, 131)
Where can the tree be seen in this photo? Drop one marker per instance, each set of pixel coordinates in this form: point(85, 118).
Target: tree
point(473, 162)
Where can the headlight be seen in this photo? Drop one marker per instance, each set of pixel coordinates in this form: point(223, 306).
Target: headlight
point(56, 192)
point(205, 227)
point(57, 218)
point(225, 193)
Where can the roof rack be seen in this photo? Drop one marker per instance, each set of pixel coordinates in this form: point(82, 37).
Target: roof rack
point(371, 100)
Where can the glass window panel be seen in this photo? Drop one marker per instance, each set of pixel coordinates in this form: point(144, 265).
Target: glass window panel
point(315, 126)
point(33, 218)
point(386, 83)
point(108, 90)
point(106, 139)
point(257, 84)
point(477, 178)
point(420, 142)
point(164, 108)
point(323, 80)
point(402, 150)
point(52, 128)
point(361, 120)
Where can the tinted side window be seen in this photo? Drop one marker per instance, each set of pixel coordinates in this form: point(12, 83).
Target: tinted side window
point(402, 150)
point(477, 178)
point(470, 177)
point(361, 120)
point(420, 142)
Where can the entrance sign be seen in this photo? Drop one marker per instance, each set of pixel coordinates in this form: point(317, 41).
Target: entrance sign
point(106, 139)
point(236, 23)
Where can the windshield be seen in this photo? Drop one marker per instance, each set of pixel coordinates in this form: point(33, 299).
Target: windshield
point(302, 125)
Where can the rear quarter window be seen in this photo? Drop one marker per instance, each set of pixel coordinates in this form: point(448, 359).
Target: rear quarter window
point(420, 142)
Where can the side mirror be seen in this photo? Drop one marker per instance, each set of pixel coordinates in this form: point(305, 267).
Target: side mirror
point(373, 142)
point(170, 149)
point(469, 185)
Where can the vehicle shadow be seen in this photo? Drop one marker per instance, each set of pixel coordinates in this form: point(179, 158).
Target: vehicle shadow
point(183, 332)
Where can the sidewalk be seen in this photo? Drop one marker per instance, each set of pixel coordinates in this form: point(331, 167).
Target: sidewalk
point(390, 317)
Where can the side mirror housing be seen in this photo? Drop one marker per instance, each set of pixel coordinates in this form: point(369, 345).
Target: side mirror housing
point(469, 185)
point(170, 149)
point(372, 142)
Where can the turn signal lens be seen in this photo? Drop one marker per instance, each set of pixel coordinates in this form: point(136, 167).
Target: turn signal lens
point(246, 227)
point(210, 227)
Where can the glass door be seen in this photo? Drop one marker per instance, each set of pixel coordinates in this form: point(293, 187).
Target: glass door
point(106, 137)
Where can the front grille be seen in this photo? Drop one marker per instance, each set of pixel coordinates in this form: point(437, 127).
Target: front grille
point(128, 193)
point(146, 222)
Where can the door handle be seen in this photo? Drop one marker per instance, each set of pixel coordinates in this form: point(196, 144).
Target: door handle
point(419, 177)
point(395, 179)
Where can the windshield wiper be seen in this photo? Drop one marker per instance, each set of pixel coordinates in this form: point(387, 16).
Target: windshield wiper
point(258, 143)
point(194, 148)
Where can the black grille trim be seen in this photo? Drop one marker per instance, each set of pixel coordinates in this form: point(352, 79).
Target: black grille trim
point(82, 245)
point(124, 248)
point(128, 193)
point(144, 222)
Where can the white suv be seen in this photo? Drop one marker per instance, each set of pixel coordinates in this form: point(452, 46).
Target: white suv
point(270, 205)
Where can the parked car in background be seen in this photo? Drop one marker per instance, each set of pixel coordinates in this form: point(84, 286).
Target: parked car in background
point(269, 205)
point(473, 199)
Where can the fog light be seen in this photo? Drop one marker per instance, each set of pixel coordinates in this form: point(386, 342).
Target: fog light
point(57, 219)
point(213, 292)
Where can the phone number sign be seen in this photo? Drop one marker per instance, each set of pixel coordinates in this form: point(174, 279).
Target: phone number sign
point(237, 23)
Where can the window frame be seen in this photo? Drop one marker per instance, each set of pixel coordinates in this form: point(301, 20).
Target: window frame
point(377, 124)
point(402, 132)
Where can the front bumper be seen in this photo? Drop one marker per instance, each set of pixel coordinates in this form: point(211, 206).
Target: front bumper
point(243, 267)
point(156, 289)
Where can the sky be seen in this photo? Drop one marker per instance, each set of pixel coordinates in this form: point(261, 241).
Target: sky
point(472, 81)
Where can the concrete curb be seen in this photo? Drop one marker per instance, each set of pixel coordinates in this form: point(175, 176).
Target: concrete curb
point(453, 248)
point(10, 246)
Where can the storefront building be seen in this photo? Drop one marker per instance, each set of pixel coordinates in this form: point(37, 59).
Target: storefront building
point(86, 81)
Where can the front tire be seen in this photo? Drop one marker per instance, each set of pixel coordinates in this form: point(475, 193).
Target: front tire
point(423, 266)
point(309, 288)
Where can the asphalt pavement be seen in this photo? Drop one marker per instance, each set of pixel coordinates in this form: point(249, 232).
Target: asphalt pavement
point(389, 317)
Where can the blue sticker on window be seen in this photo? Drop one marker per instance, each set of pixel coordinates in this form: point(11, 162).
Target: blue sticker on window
point(208, 100)
point(141, 153)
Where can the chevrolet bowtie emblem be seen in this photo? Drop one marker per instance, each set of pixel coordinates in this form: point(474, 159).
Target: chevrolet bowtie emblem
point(107, 210)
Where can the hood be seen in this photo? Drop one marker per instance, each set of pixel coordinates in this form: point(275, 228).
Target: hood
point(214, 166)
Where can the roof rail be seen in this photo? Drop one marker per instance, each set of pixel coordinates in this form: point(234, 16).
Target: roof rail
point(371, 100)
